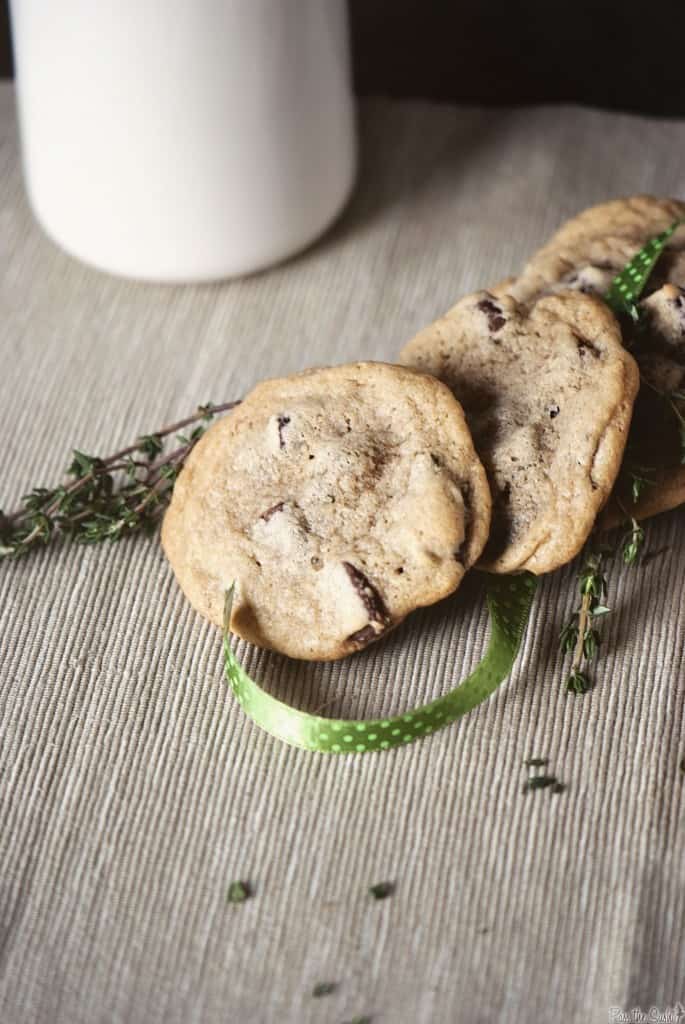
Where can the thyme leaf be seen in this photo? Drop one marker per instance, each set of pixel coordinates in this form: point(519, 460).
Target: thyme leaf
point(324, 988)
point(238, 892)
point(381, 890)
point(538, 782)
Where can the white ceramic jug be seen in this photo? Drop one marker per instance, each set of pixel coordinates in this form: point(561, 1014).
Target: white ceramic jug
point(184, 140)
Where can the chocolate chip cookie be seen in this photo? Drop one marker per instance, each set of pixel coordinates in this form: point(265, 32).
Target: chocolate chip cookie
point(548, 392)
point(657, 439)
point(586, 254)
point(338, 499)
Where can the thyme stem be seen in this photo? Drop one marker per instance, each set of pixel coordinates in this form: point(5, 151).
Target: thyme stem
point(579, 636)
point(91, 506)
point(583, 621)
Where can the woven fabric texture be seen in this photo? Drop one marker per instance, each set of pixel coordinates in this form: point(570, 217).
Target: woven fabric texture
point(132, 789)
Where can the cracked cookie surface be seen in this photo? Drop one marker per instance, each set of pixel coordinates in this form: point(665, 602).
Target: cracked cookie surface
point(548, 393)
point(585, 254)
point(590, 249)
point(338, 499)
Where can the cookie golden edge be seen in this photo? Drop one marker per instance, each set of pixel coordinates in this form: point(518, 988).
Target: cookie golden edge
point(625, 216)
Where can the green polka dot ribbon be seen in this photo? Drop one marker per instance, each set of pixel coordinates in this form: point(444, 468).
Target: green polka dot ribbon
point(509, 600)
point(628, 286)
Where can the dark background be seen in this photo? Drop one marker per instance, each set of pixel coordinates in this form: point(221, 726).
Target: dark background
point(628, 55)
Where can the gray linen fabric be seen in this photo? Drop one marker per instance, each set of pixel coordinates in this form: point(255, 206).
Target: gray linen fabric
point(132, 788)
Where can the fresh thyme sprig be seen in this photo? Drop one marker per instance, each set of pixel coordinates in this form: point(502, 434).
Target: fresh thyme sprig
point(106, 498)
point(580, 635)
point(541, 780)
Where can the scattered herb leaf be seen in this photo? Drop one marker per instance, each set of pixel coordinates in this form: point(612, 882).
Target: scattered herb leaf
point(381, 890)
point(324, 988)
point(541, 780)
point(238, 892)
point(538, 782)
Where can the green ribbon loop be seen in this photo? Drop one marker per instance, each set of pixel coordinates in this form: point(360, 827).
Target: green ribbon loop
point(509, 600)
point(627, 287)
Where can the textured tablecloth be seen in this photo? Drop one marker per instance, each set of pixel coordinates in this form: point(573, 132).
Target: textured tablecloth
point(132, 788)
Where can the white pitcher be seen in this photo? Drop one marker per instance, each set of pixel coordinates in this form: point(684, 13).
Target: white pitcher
point(184, 140)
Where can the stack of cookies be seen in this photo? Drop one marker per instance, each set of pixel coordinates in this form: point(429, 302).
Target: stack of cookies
point(341, 499)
